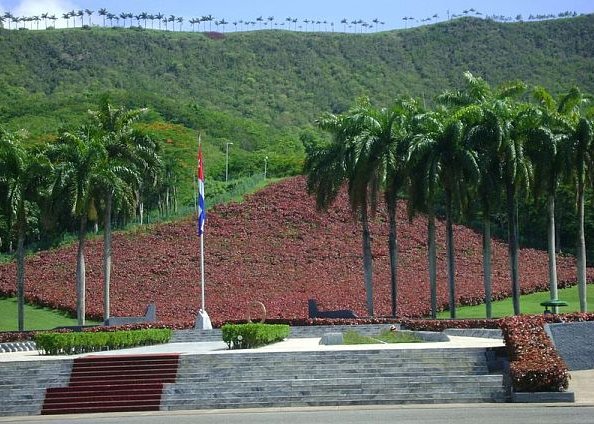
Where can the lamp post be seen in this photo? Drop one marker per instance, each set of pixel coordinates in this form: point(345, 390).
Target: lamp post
point(227, 161)
point(265, 165)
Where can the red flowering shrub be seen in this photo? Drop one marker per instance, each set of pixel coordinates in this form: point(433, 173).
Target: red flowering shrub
point(274, 248)
point(440, 324)
point(535, 365)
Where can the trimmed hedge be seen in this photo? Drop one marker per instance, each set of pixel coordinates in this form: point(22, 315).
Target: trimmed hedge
point(69, 343)
point(247, 336)
point(535, 365)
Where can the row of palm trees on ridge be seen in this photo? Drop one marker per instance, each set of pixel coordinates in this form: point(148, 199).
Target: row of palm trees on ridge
point(171, 21)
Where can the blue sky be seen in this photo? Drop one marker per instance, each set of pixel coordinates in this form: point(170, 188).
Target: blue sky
point(389, 11)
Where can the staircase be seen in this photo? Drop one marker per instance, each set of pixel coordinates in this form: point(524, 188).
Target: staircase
point(316, 378)
point(113, 384)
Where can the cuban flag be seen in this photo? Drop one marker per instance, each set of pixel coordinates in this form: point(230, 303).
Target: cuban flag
point(201, 206)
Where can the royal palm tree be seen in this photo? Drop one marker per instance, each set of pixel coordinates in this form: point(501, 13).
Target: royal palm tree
point(171, 19)
point(442, 152)
point(485, 137)
point(159, 18)
point(385, 133)
point(89, 13)
point(103, 12)
point(123, 16)
point(78, 157)
point(581, 159)
point(329, 167)
point(9, 17)
point(130, 155)
point(516, 176)
point(66, 17)
point(22, 178)
point(548, 142)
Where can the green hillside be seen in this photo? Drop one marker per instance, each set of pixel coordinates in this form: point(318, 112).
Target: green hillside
point(278, 78)
point(261, 89)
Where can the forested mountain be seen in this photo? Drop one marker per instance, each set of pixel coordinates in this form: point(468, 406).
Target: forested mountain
point(278, 79)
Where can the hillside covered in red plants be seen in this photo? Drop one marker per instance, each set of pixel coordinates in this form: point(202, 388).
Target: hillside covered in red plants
point(277, 249)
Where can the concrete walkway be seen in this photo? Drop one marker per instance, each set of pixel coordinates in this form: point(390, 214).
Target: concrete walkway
point(287, 345)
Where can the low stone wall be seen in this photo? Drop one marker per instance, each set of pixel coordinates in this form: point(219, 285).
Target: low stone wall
point(574, 343)
point(17, 347)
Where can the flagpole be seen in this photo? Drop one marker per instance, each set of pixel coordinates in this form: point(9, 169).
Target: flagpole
point(202, 319)
point(202, 269)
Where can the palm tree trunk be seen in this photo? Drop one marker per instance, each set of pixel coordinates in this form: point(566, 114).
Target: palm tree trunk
point(20, 257)
point(513, 247)
point(432, 256)
point(393, 247)
point(107, 255)
point(451, 255)
point(551, 248)
point(487, 264)
point(581, 250)
point(80, 271)
point(367, 260)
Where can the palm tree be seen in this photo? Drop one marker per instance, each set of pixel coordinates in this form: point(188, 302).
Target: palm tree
point(548, 141)
point(111, 17)
point(193, 22)
point(66, 17)
point(516, 177)
point(329, 166)
point(22, 179)
point(180, 21)
point(386, 132)
point(123, 16)
point(209, 19)
point(485, 137)
point(44, 16)
point(443, 152)
point(78, 158)
point(223, 22)
point(581, 160)
point(144, 16)
point(129, 156)
point(9, 17)
point(103, 12)
point(89, 13)
point(159, 18)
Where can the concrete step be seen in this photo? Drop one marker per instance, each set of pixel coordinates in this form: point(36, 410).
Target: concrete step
point(332, 400)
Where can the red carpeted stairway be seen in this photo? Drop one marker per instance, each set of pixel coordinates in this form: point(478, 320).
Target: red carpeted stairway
point(113, 384)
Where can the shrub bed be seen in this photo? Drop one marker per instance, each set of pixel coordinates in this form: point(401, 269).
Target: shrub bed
point(535, 365)
point(247, 336)
point(81, 342)
point(444, 324)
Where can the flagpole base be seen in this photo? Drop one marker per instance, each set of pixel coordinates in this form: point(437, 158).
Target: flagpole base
point(202, 321)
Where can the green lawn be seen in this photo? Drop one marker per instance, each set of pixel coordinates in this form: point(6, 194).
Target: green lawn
point(529, 304)
point(36, 318)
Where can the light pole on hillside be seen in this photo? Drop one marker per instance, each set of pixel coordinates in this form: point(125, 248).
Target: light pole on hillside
point(227, 162)
point(265, 165)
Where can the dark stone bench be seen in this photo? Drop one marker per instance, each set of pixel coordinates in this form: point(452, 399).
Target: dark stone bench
point(150, 315)
point(314, 312)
